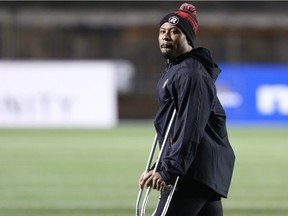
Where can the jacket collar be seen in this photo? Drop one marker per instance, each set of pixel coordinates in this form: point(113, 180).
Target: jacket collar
point(179, 58)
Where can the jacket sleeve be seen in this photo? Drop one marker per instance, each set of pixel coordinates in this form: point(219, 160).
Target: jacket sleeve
point(193, 92)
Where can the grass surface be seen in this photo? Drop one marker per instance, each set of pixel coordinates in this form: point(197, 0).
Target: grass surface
point(95, 172)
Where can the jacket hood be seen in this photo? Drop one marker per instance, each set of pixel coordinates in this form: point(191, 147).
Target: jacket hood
point(204, 57)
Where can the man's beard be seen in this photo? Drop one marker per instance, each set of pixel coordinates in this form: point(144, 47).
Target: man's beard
point(166, 55)
point(169, 53)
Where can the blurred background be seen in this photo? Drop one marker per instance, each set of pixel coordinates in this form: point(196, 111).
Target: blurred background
point(235, 32)
point(94, 65)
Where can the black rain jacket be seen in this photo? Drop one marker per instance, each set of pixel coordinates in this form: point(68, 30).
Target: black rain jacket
point(198, 147)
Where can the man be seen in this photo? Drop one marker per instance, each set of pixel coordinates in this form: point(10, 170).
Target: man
point(198, 150)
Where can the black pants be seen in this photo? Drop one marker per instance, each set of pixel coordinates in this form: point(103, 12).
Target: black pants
point(191, 199)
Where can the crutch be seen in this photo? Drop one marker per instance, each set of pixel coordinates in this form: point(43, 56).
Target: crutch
point(169, 197)
point(148, 165)
point(145, 201)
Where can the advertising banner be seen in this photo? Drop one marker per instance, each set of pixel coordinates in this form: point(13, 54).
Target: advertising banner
point(58, 94)
point(254, 93)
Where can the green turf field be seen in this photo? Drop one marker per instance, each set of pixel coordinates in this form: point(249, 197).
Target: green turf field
point(95, 172)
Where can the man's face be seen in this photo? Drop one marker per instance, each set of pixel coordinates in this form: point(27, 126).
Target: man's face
point(172, 41)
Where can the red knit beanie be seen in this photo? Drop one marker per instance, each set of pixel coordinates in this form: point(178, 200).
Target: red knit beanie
point(185, 19)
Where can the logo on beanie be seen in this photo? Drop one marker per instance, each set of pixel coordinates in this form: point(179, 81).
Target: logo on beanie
point(173, 20)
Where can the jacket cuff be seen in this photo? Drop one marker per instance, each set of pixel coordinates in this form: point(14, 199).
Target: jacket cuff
point(166, 176)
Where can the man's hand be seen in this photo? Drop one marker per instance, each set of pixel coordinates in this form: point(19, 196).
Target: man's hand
point(154, 180)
